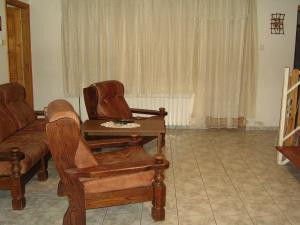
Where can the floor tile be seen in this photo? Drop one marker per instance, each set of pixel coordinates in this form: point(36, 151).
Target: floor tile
point(242, 219)
point(51, 217)
point(228, 206)
point(15, 217)
point(253, 192)
point(197, 220)
point(122, 219)
point(216, 177)
point(169, 220)
point(125, 209)
point(293, 217)
point(271, 220)
point(194, 208)
point(53, 203)
point(216, 180)
point(262, 208)
point(170, 208)
point(197, 193)
point(215, 192)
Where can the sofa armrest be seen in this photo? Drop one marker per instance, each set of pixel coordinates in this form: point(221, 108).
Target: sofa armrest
point(13, 155)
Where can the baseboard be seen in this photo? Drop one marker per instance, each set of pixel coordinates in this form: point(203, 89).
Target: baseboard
point(270, 128)
point(248, 128)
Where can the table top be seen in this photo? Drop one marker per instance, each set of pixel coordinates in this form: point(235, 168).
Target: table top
point(149, 126)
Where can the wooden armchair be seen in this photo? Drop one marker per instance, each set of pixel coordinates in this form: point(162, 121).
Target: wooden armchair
point(105, 100)
point(105, 179)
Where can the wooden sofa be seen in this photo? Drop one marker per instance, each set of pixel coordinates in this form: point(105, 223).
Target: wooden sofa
point(23, 143)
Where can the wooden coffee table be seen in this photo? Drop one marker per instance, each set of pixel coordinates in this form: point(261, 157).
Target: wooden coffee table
point(149, 127)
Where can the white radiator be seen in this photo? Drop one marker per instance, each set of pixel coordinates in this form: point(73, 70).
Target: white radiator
point(179, 108)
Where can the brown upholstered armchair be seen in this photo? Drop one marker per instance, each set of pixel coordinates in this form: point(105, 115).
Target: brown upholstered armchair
point(105, 100)
point(105, 179)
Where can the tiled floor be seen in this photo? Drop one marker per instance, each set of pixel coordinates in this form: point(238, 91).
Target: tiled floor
point(216, 177)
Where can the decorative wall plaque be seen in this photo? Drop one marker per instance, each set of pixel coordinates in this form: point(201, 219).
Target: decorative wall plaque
point(277, 23)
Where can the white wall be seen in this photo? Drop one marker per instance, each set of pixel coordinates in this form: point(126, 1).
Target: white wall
point(276, 52)
point(45, 19)
point(3, 47)
point(46, 51)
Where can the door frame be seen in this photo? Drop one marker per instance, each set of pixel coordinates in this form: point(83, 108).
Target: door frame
point(26, 39)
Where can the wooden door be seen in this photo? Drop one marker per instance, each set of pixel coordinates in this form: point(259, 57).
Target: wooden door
point(15, 52)
point(297, 44)
point(19, 48)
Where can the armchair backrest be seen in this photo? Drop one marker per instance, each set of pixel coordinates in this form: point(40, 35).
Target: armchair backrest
point(68, 148)
point(106, 100)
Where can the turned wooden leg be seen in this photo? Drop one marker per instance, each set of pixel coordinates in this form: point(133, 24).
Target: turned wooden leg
point(17, 193)
point(43, 172)
point(60, 189)
point(163, 141)
point(159, 143)
point(159, 193)
point(17, 186)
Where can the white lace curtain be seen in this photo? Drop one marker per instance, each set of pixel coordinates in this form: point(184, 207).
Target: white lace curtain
point(204, 48)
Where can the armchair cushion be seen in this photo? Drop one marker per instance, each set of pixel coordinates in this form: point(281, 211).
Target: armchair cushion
point(84, 157)
point(115, 183)
point(106, 99)
point(111, 102)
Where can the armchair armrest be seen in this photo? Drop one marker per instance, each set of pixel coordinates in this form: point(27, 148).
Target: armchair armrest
point(159, 163)
point(113, 142)
point(160, 112)
point(13, 155)
point(39, 112)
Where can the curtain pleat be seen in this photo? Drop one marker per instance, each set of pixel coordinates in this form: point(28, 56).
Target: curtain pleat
point(203, 48)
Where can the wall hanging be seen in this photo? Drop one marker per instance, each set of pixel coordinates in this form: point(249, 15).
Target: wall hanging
point(277, 23)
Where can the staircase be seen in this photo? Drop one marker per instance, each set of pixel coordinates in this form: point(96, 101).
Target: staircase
point(288, 148)
point(292, 153)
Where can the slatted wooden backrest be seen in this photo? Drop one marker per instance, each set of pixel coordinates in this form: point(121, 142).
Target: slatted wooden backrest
point(67, 146)
point(63, 137)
